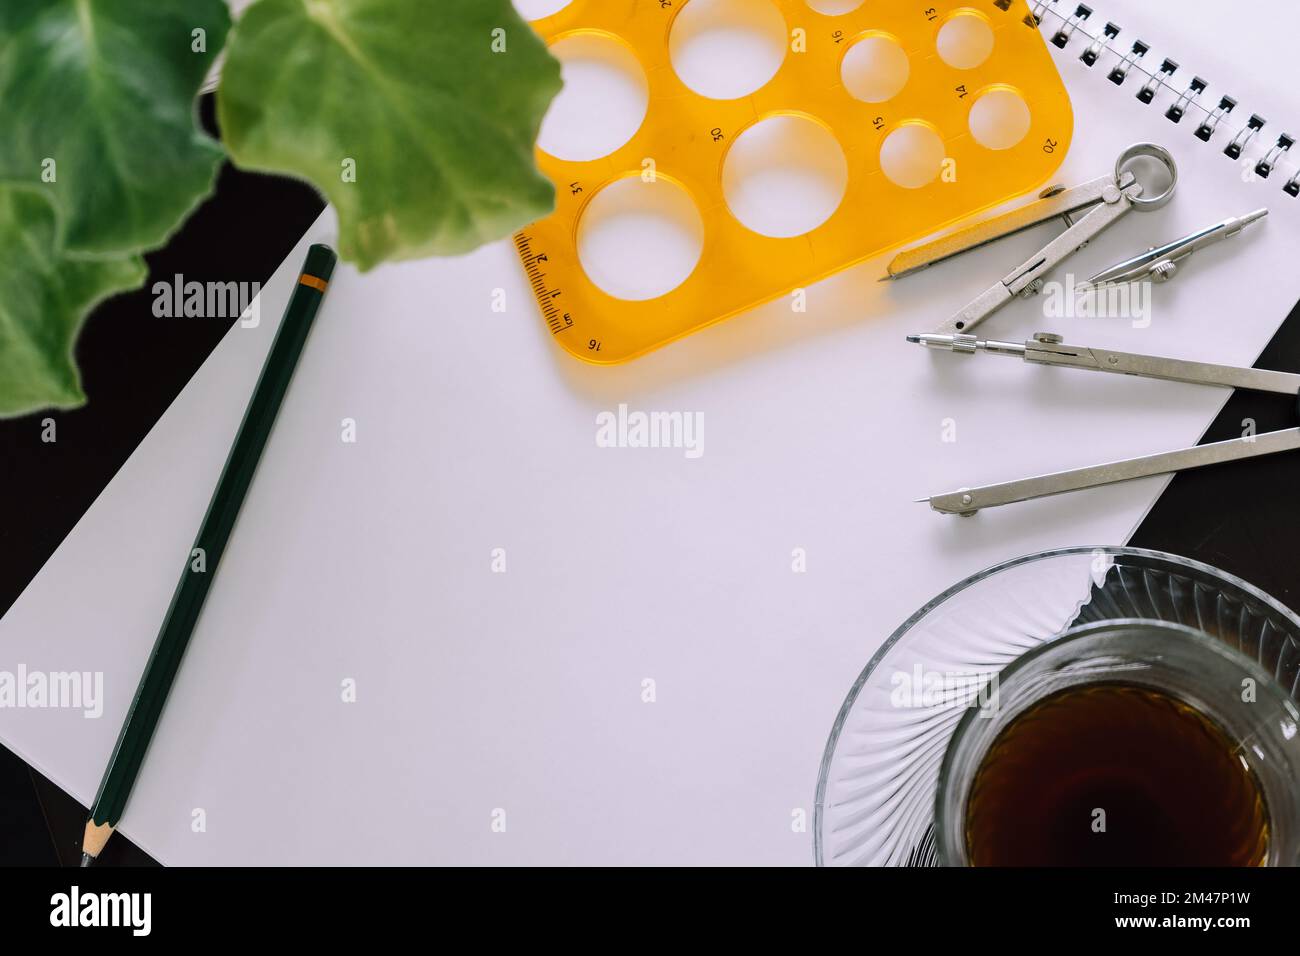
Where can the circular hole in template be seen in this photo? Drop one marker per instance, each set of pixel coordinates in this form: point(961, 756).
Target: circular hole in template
point(537, 9)
point(726, 49)
point(965, 41)
point(875, 69)
point(639, 240)
point(999, 119)
point(785, 176)
point(603, 102)
point(912, 156)
point(835, 8)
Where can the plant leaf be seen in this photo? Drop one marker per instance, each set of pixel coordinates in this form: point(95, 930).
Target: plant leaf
point(106, 91)
point(439, 128)
point(44, 296)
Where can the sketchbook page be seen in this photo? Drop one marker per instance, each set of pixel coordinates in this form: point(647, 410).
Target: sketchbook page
point(475, 635)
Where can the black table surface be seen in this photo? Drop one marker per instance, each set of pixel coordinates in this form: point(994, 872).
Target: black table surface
point(1242, 518)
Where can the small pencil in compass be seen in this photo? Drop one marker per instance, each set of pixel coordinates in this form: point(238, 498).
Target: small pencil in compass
point(1160, 263)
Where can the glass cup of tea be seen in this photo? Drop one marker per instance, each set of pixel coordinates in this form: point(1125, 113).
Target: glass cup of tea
point(1124, 743)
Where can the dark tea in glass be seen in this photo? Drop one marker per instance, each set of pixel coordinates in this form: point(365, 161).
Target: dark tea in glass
point(1109, 774)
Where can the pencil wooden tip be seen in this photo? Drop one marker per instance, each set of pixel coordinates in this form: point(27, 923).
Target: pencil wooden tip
point(94, 839)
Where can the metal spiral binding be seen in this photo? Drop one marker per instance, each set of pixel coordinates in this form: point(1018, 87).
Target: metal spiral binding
point(1061, 30)
point(1265, 165)
point(1121, 72)
point(1205, 131)
point(1176, 112)
point(1152, 86)
point(1239, 142)
point(1091, 55)
point(1081, 13)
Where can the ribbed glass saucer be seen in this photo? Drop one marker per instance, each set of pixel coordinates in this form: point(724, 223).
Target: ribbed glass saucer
point(876, 788)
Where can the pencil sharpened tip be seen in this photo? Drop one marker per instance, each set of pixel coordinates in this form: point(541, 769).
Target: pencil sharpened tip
point(87, 860)
point(914, 339)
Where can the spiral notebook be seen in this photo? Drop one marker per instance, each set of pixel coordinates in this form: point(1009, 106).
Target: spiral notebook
point(1259, 143)
point(653, 676)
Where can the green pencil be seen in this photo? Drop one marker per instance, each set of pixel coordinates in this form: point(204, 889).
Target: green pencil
point(165, 658)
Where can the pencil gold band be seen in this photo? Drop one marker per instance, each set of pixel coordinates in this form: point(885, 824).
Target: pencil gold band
point(320, 285)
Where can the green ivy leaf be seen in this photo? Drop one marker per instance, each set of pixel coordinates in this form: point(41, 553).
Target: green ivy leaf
point(409, 95)
point(105, 90)
point(44, 295)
